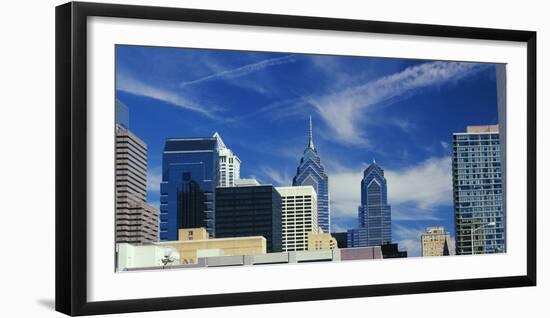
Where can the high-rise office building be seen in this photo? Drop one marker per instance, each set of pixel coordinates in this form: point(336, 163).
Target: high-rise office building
point(435, 242)
point(312, 172)
point(187, 190)
point(299, 215)
point(478, 191)
point(250, 210)
point(374, 213)
point(229, 164)
point(136, 221)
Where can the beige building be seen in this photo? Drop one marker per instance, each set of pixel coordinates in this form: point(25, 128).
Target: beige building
point(436, 242)
point(299, 216)
point(482, 129)
point(136, 221)
point(320, 241)
point(193, 244)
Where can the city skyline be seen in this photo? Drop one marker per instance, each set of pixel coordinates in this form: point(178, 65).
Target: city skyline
point(265, 120)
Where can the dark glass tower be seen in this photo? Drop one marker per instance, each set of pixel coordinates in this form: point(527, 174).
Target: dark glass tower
point(374, 212)
point(250, 211)
point(189, 178)
point(312, 172)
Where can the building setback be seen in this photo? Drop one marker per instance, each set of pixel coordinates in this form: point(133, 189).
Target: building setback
point(229, 164)
point(477, 190)
point(135, 220)
point(374, 214)
point(299, 215)
point(250, 210)
point(319, 241)
point(187, 190)
point(435, 242)
point(312, 172)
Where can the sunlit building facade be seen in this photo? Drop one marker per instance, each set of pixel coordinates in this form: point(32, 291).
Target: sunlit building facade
point(135, 220)
point(435, 242)
point(229, 164)
point(299, 216)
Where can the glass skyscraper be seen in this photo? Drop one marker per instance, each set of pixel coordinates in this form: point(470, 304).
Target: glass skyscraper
point(187, 190)
point(312, 172)
point(477, 189)
point(374, 213)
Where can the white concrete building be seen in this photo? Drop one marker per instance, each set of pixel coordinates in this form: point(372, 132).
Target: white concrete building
point(229, 164)
point(299, 216)
point(130, 256)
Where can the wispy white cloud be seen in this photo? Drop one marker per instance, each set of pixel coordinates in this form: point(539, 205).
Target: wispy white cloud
point(154, 177)
point(425, 185)
point(279, 178)
point(129, 84)
point(345, 111)
point(345, 192)
point(414, 192)
point(241, 71)
point(408, 238)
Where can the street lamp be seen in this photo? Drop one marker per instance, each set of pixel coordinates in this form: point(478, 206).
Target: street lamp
point(490, 224)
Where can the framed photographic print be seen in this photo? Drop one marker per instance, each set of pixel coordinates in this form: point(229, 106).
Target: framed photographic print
point(209, 158)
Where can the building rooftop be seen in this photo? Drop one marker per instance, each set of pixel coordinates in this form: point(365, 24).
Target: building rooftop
point(480, 129)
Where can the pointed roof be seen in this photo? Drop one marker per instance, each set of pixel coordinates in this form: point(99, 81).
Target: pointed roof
point(310, 142)
point(219, 139)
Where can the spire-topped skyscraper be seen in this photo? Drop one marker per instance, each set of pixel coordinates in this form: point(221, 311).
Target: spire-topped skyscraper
point(312, 172)
point(374, 212)
point(310, 144)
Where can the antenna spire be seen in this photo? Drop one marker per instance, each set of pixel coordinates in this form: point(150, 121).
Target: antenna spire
point(310, 144)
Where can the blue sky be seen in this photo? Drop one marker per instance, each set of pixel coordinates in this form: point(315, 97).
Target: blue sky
point(400, 112)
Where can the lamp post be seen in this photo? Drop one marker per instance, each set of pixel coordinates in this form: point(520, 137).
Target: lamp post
point(490, 224)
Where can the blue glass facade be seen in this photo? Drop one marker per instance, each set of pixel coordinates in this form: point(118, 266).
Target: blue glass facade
point(187, 190)
point(478, 191)
point(374, 217)
point(312, 172)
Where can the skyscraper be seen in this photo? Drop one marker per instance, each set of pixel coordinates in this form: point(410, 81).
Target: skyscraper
point(477, 189)
point(435, 242)
point(136, 221)
point(374, 213)
point(229, 164)
point(250, 210)
point(311, 172)
point(187, 190)
point(299, 215)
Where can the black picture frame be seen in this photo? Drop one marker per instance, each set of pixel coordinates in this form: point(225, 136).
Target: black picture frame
point(71, 157)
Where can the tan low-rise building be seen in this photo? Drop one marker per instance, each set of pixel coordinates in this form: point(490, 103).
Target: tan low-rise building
point(317, 241)
point(436, 242)
point(194, 243)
